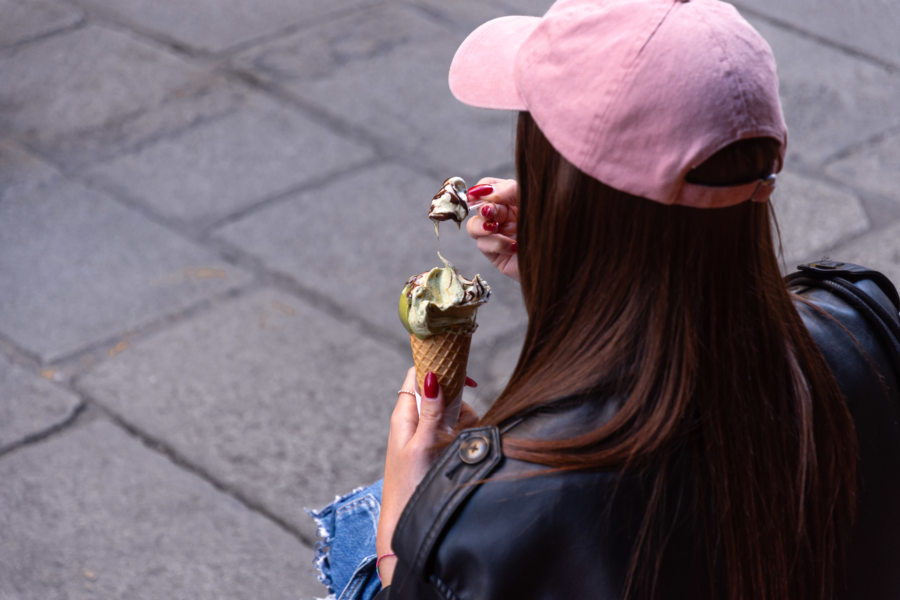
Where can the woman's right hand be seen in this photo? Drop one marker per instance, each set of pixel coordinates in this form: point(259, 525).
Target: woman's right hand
point(493, 226)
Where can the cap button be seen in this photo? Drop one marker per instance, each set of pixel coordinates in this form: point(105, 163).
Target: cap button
point(474, 449)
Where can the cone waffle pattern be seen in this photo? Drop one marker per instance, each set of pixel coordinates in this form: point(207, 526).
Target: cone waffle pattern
point(446, 355)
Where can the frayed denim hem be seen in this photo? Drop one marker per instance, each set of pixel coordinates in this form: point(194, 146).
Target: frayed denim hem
point(345, 553)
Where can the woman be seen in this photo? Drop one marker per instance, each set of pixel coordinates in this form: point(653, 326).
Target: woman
point(671, 429)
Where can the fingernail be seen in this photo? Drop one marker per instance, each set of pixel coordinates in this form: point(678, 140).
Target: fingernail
point(490, 225)
point(477, 191)
point(471, 382)
point(431, 385)
point(487, 211)
point(514, 247)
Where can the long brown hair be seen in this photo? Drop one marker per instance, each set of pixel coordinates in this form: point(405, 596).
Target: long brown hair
point(682, 314)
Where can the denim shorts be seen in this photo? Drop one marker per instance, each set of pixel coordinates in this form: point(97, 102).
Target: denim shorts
point(345, 554)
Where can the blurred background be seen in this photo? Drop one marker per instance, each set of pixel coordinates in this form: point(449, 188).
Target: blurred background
point(207, 212)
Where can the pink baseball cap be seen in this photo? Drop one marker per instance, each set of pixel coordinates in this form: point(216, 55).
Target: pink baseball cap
point(634, 93)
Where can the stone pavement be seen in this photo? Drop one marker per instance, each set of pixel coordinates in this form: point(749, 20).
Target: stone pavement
point(206, 215)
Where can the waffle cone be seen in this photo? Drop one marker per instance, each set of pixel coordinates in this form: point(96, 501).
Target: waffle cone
point(446, 355)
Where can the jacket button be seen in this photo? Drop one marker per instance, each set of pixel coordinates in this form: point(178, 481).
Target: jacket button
point(474, 449)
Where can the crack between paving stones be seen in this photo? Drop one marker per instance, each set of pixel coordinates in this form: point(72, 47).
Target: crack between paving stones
point(310, 185)
point(152, 327)
point(381, 149)
point(858, 146)
point(289, 30)
point(77, 24)
point(816, 37)
point(43, 434)
point(180, 461)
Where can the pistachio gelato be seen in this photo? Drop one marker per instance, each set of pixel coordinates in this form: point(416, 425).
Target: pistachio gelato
point(441, 300)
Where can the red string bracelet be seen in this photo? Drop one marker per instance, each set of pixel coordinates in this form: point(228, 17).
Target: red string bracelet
point(378, 562)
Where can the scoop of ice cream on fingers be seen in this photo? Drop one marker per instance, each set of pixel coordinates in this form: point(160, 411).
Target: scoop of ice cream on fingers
point(450, 203)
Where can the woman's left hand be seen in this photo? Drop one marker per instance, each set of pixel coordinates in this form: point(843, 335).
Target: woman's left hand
point(411, 449)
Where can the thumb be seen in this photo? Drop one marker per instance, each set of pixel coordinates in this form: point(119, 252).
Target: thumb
point(432, 411)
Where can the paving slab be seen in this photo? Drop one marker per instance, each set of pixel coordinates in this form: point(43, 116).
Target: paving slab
point(75, 152)
point(319, 51)
point(215, 25)
point(525, 7)
point(80, 268)
point(879, 250)
point(85, 78)
point(868, 27)
point(504, 358)
point(92, 513)
point(465, 15)
point(832, 100)
point(872, 167)
point(398, 93)
point(31, 404)
point(358, 239)
point(271, 397)
point(18, 166)
point(25, 20)
point(814, 217)
point(230, 162)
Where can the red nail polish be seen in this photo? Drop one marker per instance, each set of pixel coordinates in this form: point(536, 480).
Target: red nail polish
point(514, 247)
point(490, 225)
point(487, 211)
point(471, 382)
point(477, 191)
point(431, 385)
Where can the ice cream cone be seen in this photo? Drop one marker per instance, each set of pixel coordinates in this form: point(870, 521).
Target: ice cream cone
point(446, 355)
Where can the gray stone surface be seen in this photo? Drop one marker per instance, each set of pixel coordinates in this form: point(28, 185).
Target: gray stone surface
point(215, 25)
point(868, 26)
point(93, 513)
point(30, 404)
point(831, 100)
point(18, 166)
point(873, 167)
point(526, 7)
point(102, 270)
point(465, 15)
point(316, 52)
point(375, 92)
point(814, 217)
point(269, 396)
point(85, 78)
point(300, 140)
point(877, 249)
point(359, 254)
point(24, 20)
point(230, 162)
point(74, 152)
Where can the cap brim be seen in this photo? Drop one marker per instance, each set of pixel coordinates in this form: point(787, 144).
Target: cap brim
point(483, 70)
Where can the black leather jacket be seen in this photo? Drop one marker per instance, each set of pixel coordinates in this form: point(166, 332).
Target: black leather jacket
point(560, 535)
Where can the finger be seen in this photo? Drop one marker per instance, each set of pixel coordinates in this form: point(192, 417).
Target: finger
point(496, 212)
point(506, 191)
point(431, 416)
point(475, 227)
point(507, 228)
point(471, 382)
point(496, 244)
point(405, 418)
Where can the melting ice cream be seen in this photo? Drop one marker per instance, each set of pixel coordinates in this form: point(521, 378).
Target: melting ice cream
point(441, 300)
point(449, 203)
